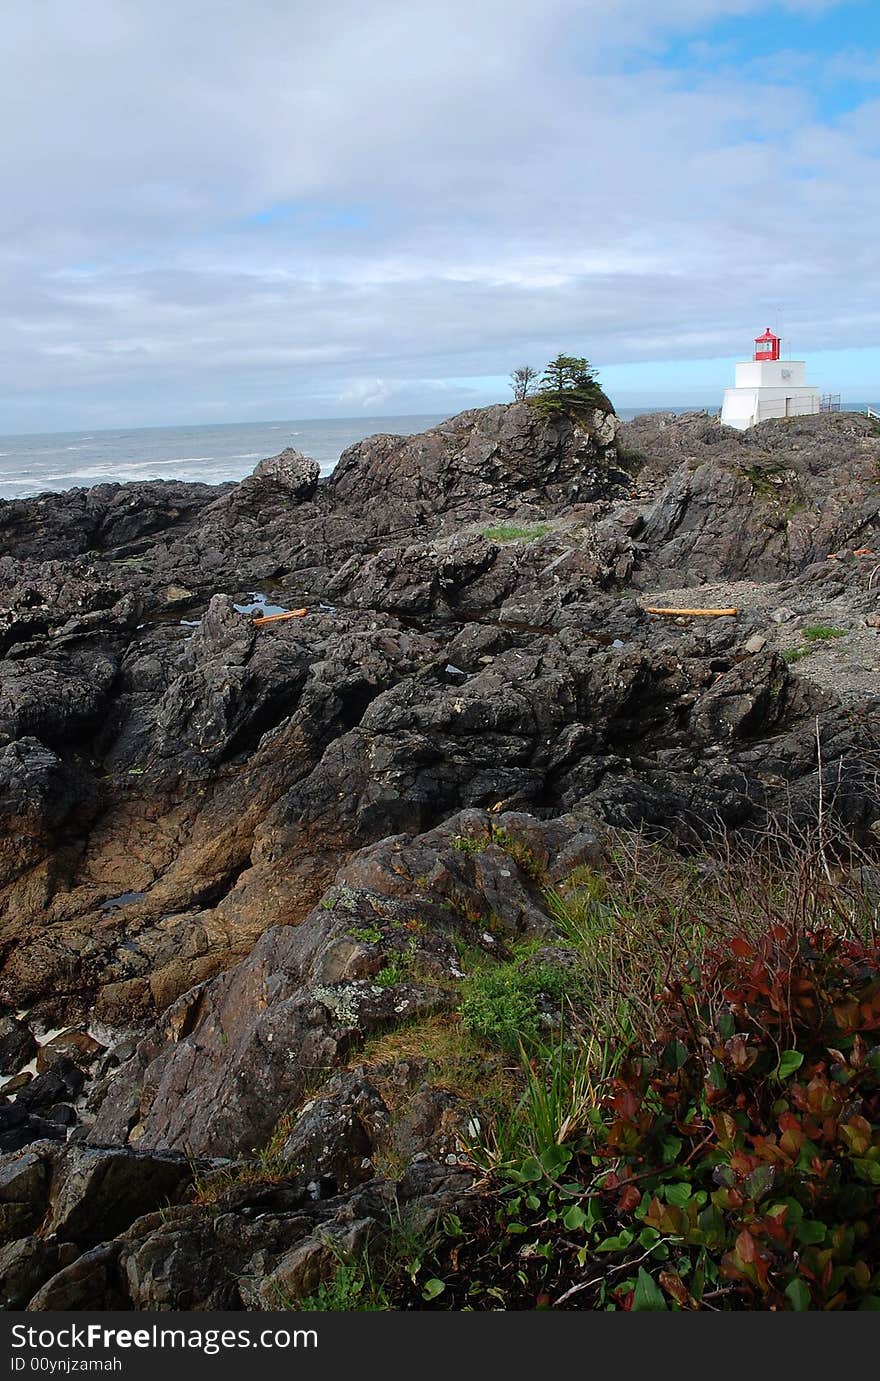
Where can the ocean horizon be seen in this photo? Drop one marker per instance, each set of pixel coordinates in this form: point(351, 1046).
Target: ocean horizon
point(210, 453)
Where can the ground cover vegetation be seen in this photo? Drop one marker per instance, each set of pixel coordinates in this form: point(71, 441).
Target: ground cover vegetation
point(689, 1114)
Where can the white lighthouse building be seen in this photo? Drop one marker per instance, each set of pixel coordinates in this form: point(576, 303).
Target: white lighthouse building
point(767, 386)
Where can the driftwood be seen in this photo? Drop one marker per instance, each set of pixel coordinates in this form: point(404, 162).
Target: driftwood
point(704, 613)
point(279, 618)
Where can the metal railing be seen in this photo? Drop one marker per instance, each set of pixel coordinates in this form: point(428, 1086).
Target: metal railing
point(829, 402)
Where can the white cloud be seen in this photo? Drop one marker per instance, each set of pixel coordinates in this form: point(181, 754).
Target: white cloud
point(520, 179)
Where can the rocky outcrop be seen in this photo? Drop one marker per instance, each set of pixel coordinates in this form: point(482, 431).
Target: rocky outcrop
point(243, 855)
point(260, 1246)
point(174, 780)
point(235, 1054)
point(759, 504)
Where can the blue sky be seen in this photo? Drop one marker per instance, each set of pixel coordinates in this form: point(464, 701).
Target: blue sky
point(217, 213)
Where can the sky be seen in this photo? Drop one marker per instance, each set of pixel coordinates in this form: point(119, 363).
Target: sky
point(217, 211)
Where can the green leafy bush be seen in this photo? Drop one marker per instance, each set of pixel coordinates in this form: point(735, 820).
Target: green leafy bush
point(503, 1004)
point(732, 1161)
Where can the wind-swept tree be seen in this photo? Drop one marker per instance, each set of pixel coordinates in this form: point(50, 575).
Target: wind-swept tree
point(569, 388)
point(566, 373)
point(522, 381)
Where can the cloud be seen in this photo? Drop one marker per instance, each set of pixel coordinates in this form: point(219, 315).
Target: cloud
point(282, 210)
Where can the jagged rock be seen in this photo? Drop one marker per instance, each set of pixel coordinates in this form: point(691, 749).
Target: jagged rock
point(259, 1246)
point(23, 1189)
point(169, 790)
point(76, 1046)
point(335, 1134)
point(290, 471)
point(17, 1045)
point(61, 1081)
point(26, 1264)
point(301, 1270)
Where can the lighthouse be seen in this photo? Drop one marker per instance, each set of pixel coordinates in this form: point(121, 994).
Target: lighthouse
point(768, 386)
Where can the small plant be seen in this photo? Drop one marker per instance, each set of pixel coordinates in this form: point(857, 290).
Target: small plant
point(822, 633)
point(470, 843)
point(523, 381)
point(521, 854)
point(352, 1287)
point(367, 934)
point(508, 532)
point(561, 1083)
point(503, 1004)
point(797, 654)
point(390, 975)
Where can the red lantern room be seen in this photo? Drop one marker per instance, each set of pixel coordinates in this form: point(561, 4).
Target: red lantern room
point(767, 346)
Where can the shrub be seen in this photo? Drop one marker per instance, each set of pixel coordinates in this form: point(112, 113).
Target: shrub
point(754, 1124)
point(504, 1004)
point(731, 1162)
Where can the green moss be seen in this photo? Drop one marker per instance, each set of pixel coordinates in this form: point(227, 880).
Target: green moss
point(822, 632)
point(509, 533)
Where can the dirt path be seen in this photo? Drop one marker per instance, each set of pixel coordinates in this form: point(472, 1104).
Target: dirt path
point(825, 636)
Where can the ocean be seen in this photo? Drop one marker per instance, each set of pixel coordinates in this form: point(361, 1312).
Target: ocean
point(211, 454)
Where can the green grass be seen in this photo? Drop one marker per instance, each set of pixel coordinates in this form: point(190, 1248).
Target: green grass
point(352, 1287)
point(518, 851)
point(390, 976)
point(822, 633)
point(509, 533)
point(797, 654)
point(502, 1004)
point(367, 934)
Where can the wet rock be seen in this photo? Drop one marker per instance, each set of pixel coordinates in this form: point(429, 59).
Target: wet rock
point(63, 1080)
point(17, 1045)
point(70, 1046)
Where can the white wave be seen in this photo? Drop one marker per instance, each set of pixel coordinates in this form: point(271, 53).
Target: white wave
point(125, 465)
point(246, 455)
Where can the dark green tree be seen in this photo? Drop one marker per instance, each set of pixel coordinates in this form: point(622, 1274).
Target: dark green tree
point(569, 388)
point(567, 373)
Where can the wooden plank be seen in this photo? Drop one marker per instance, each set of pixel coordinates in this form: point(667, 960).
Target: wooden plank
point(279, 618)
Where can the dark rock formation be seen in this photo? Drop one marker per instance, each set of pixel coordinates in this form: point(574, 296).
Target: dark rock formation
point(241, 846)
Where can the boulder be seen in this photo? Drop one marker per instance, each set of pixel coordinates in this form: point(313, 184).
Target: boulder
point(17, 1044)
point(290, 471)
